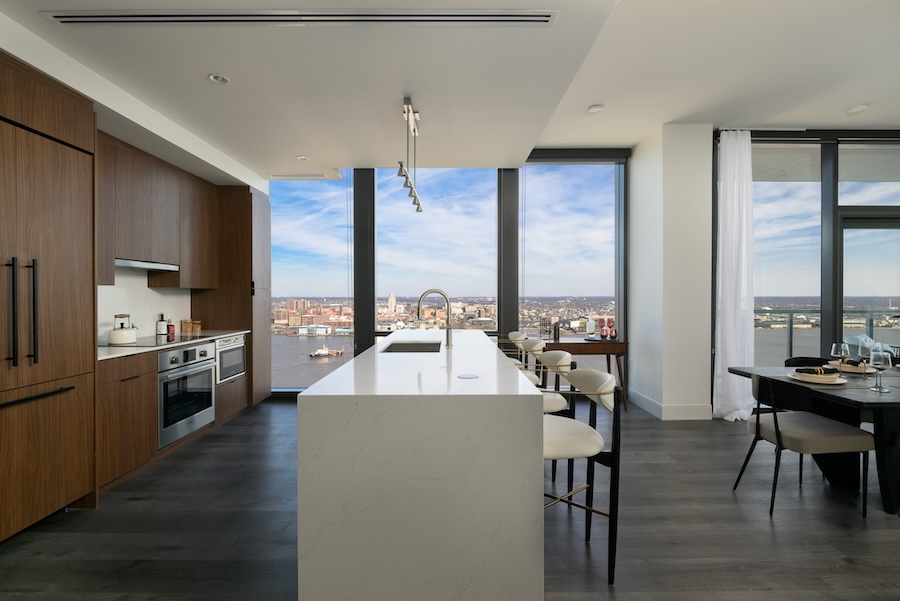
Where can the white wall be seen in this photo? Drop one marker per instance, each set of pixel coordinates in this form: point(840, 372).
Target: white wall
point(670, 287)
point(131, 295)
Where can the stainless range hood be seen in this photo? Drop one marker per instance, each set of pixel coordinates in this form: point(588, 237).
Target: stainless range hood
point(148, 265)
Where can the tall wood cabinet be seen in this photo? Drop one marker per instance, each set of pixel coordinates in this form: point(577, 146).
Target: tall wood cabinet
point(48, 322)
point(244, 297)
point(47, 312)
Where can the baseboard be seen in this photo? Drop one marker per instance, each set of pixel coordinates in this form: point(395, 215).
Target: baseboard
point(666, 412)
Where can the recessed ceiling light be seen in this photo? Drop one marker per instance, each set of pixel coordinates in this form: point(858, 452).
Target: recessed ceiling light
point(856, 109)
point(302, 157)
point(218, 78)
point(594, 109)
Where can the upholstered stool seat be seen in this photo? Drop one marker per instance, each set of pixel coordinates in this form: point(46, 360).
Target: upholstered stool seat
point(565, 437)
point(554, 402)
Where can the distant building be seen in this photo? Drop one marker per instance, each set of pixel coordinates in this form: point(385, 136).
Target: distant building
point(314, 330)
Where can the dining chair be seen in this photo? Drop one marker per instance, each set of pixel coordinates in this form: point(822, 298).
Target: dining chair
point(804, 433)
point(568, 438)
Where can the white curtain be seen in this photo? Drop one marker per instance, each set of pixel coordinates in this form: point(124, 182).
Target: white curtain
point(732, 397)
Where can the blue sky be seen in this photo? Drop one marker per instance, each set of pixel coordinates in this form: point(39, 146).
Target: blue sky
point(568, 245)
point(787, 231)
point(451, 245)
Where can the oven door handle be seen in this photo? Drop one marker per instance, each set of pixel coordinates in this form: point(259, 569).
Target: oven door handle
point(180, 372)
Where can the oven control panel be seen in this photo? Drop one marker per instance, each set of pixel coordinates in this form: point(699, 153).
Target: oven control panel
point(186, 356)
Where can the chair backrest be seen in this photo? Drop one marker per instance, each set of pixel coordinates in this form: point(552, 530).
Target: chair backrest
point(535, 346)
point(517, 338)
point(596, 385)
point(557, 361)
point(805, 362)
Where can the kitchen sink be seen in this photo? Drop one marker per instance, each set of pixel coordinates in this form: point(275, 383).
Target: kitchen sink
point(413, 346)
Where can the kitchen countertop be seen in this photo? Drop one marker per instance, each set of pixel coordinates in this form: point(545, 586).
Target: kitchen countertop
point(415, 483)
point(374, 373)
point(111, 352)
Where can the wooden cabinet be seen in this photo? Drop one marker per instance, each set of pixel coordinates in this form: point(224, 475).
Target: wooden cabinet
point(47, 312)
point(243, 297)
point(38, 102)
point(127, 414)
point(199, 257)
point(46, 294)
point(147, 226)
point(148, 210)
point(47, 446)
point(231, 399)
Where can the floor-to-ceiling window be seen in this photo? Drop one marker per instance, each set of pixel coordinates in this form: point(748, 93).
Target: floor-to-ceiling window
point(569, 248)
point(825, 205)
point(787, 242)
point(312, 296)
point(869, 210)
point(451, 245)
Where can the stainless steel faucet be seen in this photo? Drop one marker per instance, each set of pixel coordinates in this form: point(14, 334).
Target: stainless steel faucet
point(446, 298)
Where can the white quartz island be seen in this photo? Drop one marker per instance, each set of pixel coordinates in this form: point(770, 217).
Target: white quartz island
point(420, 476)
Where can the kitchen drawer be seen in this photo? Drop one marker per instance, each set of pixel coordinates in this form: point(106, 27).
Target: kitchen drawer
point(121, 368)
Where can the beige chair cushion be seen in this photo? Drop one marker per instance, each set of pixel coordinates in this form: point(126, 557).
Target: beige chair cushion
point(532, 377)
point(566, 438)
point(553, 402)
point(812, 434)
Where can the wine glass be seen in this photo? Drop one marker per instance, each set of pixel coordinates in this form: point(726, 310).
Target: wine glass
point(840, 351)
point(881, 360)
point(865, 352)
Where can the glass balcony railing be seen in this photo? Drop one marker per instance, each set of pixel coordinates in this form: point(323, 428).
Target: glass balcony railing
point(779, 334)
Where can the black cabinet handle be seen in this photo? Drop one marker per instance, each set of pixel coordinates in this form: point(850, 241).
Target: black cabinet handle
point(130, 378)
point(14, 263)
point(34, 308)
point(35, 397)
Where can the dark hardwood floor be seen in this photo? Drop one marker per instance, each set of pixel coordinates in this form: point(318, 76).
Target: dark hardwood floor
point(217, 521)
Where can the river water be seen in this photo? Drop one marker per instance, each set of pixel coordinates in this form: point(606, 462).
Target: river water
point(293, 368)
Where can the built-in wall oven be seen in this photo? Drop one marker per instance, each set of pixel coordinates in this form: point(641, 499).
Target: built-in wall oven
point(231, 357)
point(186, 391)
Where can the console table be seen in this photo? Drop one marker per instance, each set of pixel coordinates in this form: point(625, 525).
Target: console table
point(610, 348)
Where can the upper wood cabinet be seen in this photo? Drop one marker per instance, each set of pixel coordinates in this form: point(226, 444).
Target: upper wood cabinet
point(147, 226)
point(38, 102)
point(148, 210)
point(199, 218)
point(47, 292)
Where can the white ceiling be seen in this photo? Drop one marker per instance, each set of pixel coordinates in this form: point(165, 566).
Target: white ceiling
point(486, 95)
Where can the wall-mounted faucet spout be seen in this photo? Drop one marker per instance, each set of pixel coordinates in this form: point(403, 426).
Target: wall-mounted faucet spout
point(447, 299)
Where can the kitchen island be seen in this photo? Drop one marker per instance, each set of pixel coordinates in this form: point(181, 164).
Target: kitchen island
point(420, 475)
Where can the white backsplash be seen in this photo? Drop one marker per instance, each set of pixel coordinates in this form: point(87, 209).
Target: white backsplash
point(131, 295)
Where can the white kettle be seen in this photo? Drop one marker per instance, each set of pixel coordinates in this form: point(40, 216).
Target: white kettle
point(123, 331)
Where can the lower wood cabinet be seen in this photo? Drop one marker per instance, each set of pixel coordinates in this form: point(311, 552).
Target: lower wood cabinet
point(46, 450)
point(127, 415)
point(231, 399)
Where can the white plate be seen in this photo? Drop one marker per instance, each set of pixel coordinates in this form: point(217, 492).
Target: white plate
point(852, 369)
point(817, 379)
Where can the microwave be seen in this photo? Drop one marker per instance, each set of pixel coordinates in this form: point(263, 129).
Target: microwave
point(231, 358)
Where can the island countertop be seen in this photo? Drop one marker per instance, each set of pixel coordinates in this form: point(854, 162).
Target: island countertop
point(473, 366)
point(415, 483)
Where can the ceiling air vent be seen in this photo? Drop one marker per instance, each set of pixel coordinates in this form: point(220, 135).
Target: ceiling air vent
point(444, 18)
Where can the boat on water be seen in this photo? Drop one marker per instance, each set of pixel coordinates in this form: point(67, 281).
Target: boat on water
point(324, 351)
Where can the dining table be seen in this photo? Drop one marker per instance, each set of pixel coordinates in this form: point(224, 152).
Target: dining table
point(852, 401)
